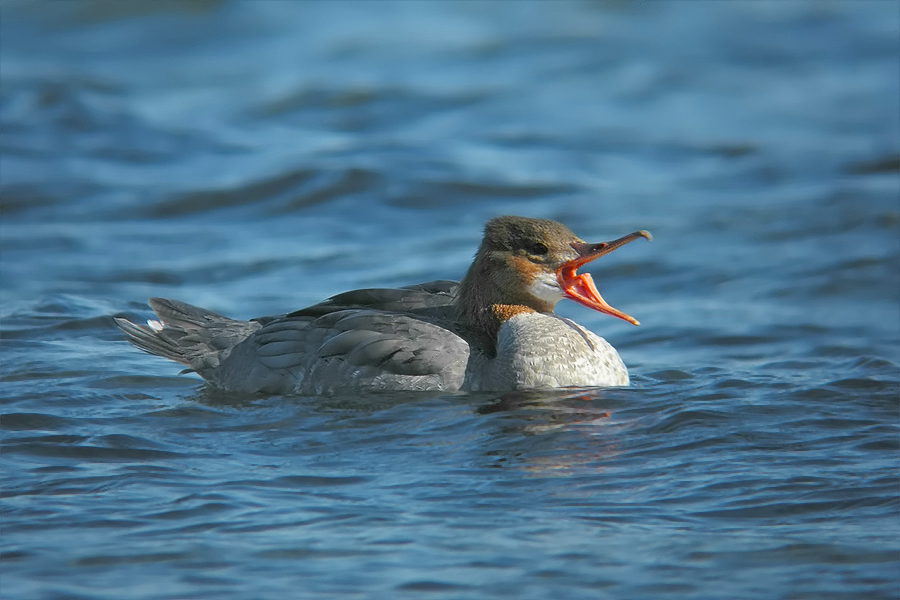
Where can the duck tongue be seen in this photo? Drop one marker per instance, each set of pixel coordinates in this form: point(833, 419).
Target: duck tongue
point(580, 287)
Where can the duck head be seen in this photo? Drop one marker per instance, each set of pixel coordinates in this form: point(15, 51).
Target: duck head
point(528, 265)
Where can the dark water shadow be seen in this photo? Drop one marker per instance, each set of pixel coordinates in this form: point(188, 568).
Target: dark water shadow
point(371, 402)
point(574, 403)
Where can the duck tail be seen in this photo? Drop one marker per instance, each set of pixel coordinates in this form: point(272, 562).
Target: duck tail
point(192, 336)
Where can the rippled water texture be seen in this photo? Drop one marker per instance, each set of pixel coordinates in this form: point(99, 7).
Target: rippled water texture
point(256, 157)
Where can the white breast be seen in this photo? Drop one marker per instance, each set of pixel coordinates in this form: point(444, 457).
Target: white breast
point(546, 351)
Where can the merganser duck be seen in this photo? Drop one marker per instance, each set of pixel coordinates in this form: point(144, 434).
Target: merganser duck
point(493, 331)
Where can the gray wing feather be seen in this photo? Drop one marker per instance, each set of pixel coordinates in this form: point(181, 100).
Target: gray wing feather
point(282, 330)
point(378, 352)
point(349, 349)
point(279, 348)
point(288, 361)
point(344, 342)
point(395, 343)
point(422, 297)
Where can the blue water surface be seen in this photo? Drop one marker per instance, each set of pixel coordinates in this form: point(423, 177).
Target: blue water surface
point(256, 157)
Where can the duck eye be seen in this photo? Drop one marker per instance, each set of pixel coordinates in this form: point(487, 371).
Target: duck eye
point(538, 248)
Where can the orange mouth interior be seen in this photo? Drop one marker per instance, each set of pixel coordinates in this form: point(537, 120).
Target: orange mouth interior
point(580, 287)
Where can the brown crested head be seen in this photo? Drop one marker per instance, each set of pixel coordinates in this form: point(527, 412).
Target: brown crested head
point(527, 237)
point(515, 255)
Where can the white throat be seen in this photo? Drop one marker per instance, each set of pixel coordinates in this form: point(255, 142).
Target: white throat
point(546, 288)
